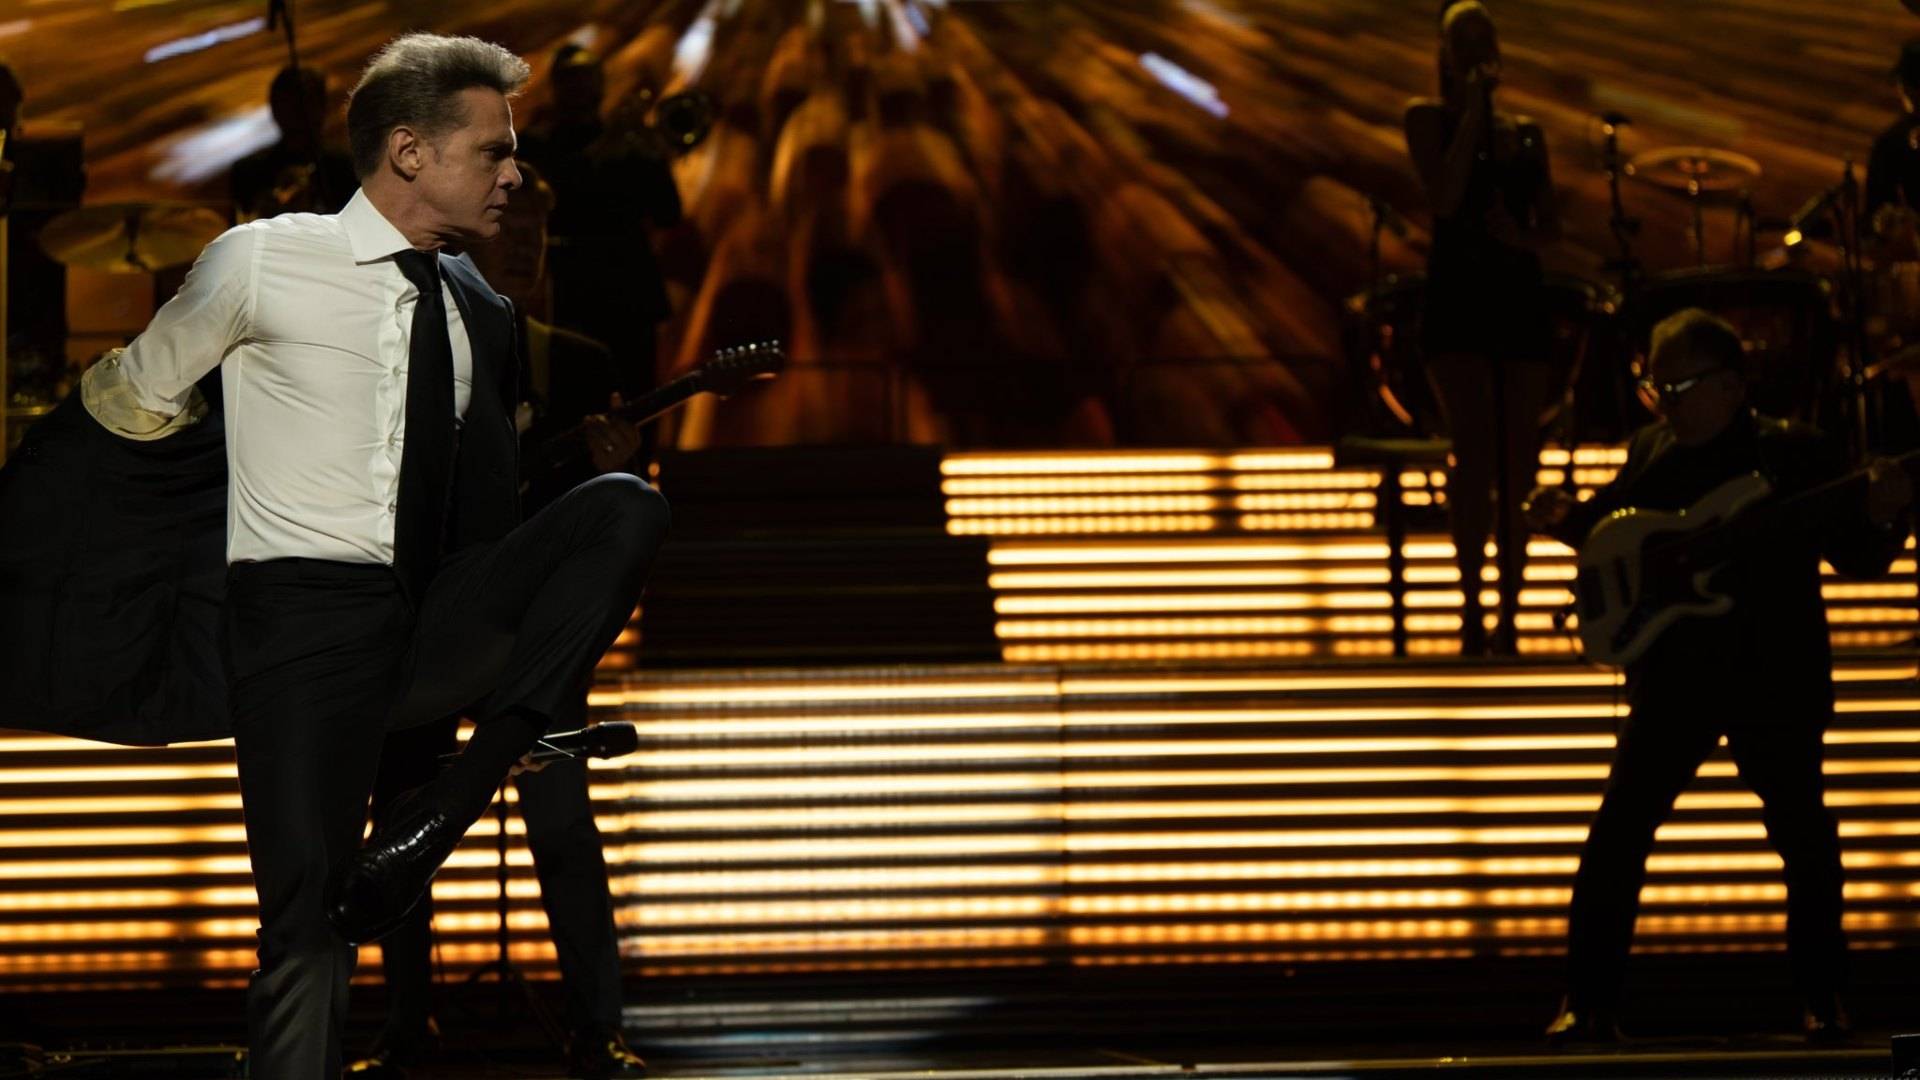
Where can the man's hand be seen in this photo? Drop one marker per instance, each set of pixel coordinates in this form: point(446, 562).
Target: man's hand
point(1547, 507)
point(527, 765)
point(1889, 491)
point(611, 443)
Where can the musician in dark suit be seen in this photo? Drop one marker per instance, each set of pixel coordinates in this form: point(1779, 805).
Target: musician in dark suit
point(298, 171)
point(613, 182)
point(379, 572)
point(567, 381)
point(1761, 676)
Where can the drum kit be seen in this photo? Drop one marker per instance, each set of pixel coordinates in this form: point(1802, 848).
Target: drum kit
point(1822, 346)
point(131, 238)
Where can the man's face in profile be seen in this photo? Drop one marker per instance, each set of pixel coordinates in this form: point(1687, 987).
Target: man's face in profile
point(466, 174)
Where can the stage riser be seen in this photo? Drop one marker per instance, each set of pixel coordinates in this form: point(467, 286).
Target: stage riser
point(984, 816)
point(1175, 555)
point(1277, 797)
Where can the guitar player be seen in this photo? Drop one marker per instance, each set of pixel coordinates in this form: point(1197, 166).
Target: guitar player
point(566, 376)
point(1761, 676)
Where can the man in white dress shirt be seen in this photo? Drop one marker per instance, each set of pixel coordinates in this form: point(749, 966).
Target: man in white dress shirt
point(379, 576)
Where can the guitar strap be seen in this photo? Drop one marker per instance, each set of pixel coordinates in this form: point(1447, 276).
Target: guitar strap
point(1763, 426)
point(539, 353)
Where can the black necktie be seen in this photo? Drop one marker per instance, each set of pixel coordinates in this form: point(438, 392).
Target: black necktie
point(426, 456)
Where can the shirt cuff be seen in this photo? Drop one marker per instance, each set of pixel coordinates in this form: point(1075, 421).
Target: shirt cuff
point(110, 398)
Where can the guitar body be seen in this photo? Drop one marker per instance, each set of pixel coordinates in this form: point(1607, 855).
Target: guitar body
point(1627, 598)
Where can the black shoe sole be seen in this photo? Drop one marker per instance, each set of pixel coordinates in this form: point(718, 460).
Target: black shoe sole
point(347, 926)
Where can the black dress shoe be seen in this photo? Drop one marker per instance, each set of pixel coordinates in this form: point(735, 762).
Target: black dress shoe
point(370, 892)
point(1826, 1023)
point(393, 1051)
point(597, 1053)
point(1583, 1027)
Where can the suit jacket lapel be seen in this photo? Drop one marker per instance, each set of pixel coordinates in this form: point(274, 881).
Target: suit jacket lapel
point(486, 474)
point(485, 323)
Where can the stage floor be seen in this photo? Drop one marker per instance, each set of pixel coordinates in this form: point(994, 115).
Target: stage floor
point(1756, 1058)
point(1725, 1016)
point(1753, 1058)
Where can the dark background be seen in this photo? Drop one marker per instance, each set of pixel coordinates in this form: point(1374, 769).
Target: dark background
point(986, 223)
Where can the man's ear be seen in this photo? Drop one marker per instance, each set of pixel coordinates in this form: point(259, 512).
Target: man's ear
point(406, 151)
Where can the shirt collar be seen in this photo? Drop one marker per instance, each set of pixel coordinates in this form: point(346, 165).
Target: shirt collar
point(371, 236)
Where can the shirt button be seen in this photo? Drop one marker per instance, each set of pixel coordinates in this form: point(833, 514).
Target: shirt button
point(393, 508)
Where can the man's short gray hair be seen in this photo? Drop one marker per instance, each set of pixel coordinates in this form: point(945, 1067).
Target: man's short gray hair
point(415, 82)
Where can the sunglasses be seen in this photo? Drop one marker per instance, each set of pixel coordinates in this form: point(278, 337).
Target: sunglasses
point(1673, 391)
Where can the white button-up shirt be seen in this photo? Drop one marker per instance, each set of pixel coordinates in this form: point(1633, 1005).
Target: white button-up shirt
point(309, 320)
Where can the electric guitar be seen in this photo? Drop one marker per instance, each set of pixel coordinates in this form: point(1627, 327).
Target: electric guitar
point(724, 374)
point(1641, 571)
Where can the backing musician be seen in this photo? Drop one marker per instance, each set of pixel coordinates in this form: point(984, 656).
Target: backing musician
point(1893, 166)
point(1484, 332)
point(1761, 675)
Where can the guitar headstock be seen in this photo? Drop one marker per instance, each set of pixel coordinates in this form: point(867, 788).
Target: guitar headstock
point(731, 369)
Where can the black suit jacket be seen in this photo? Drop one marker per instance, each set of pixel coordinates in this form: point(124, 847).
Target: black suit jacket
point(1771, 658)
point(113, 552)
point(579, 381)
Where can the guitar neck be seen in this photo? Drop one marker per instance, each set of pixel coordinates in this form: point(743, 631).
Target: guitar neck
point(723, 374)
point(660, 400)
point(650, 406)
point(1798, 512)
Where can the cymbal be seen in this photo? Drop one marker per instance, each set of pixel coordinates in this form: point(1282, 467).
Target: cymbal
point(1694, 170)
point(130, 238)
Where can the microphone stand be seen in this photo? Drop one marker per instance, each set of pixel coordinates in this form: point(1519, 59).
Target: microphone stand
point(1373, 244)
point(513, 983)
point(1849, 210)
point(1626, 266)
point(1622, 226)
point(6, 204)
point(1508, 563)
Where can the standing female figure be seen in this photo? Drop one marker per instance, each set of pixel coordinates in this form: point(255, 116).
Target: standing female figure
point(1486, 330)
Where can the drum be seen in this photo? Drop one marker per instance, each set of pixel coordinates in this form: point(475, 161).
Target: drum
point(1389, 372)
point(1784, 317)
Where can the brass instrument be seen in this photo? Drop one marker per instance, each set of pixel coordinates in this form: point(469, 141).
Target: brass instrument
point(684, 119)
point(679, 121)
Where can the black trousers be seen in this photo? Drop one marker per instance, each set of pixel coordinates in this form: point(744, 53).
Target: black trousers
point(325, 657)
point(1660, 750)
point(568, 859)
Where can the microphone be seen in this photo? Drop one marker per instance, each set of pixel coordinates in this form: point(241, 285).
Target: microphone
point(610, 740)
point(1811, 212)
